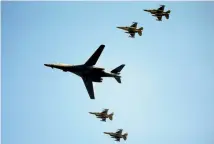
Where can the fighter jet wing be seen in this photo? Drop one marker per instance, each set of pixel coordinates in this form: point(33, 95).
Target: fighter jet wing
point(89, 86)
point(134, 25)
point(103, 119)
point(132, 35)
point(105, 111)
point(159, 18)
point(117, 139)
point(119, 131)
point(161, 8)
point(93, 59)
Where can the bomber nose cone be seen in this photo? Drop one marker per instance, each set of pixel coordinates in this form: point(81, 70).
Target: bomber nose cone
point(48, 65)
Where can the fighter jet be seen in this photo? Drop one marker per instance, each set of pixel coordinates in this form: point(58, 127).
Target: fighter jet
point(159, 12)
point(117, 135)
point(103, 115)
point(88, 72)
point(132, 30)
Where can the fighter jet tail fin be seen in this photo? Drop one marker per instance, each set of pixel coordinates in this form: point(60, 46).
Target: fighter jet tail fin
point(168, 11)
point(111, 116)
point(141, 28)
point(140, 31)
point(167, 14)
point(118, 69)
point(125, 136)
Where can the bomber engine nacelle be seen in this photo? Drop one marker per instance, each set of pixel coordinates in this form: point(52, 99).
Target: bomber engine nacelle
point(97, 79)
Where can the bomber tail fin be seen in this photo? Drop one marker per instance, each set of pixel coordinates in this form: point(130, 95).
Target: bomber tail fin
point(118, 79)
point(111, 116)
point(140, 31)
point(118, 69)
point(125, 136)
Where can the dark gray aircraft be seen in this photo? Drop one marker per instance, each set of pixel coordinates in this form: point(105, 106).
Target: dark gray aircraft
point(159, 12)
point(132, 30)
point(118, 135)
point(103, 115)
point(88, 72)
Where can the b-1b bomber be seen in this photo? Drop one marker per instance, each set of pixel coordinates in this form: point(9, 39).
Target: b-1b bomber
point(103, 115)
point(117, 135)
point(88, 72)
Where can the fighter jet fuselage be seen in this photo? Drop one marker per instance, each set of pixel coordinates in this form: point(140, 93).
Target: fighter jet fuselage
point(158, 12)
point(114, 135)
point(103, 115)
point(118, 135)
point(95, 73)
point(130, 29)
point(154, 11)
point(100, 115)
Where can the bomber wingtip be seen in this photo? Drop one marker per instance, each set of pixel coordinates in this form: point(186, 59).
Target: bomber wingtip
point(102, 45)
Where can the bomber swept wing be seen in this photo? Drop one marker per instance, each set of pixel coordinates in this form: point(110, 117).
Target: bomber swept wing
point(90, 62)
point(89, 86)
point(93, 59)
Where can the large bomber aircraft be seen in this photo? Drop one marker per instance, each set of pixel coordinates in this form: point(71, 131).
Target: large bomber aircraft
point(159, 13)
point(103, 115)
point(117, 135)
point(132, 30)
point(88, 72)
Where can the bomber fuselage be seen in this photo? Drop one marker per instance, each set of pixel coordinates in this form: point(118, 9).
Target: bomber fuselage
point(95, 73)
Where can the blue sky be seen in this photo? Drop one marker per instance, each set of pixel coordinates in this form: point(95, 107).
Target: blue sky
point(166, 95)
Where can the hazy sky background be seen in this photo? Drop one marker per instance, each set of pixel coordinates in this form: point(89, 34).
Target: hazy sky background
point(166, 95)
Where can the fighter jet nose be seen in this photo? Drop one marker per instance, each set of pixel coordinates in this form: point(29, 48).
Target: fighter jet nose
point(45, 64)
